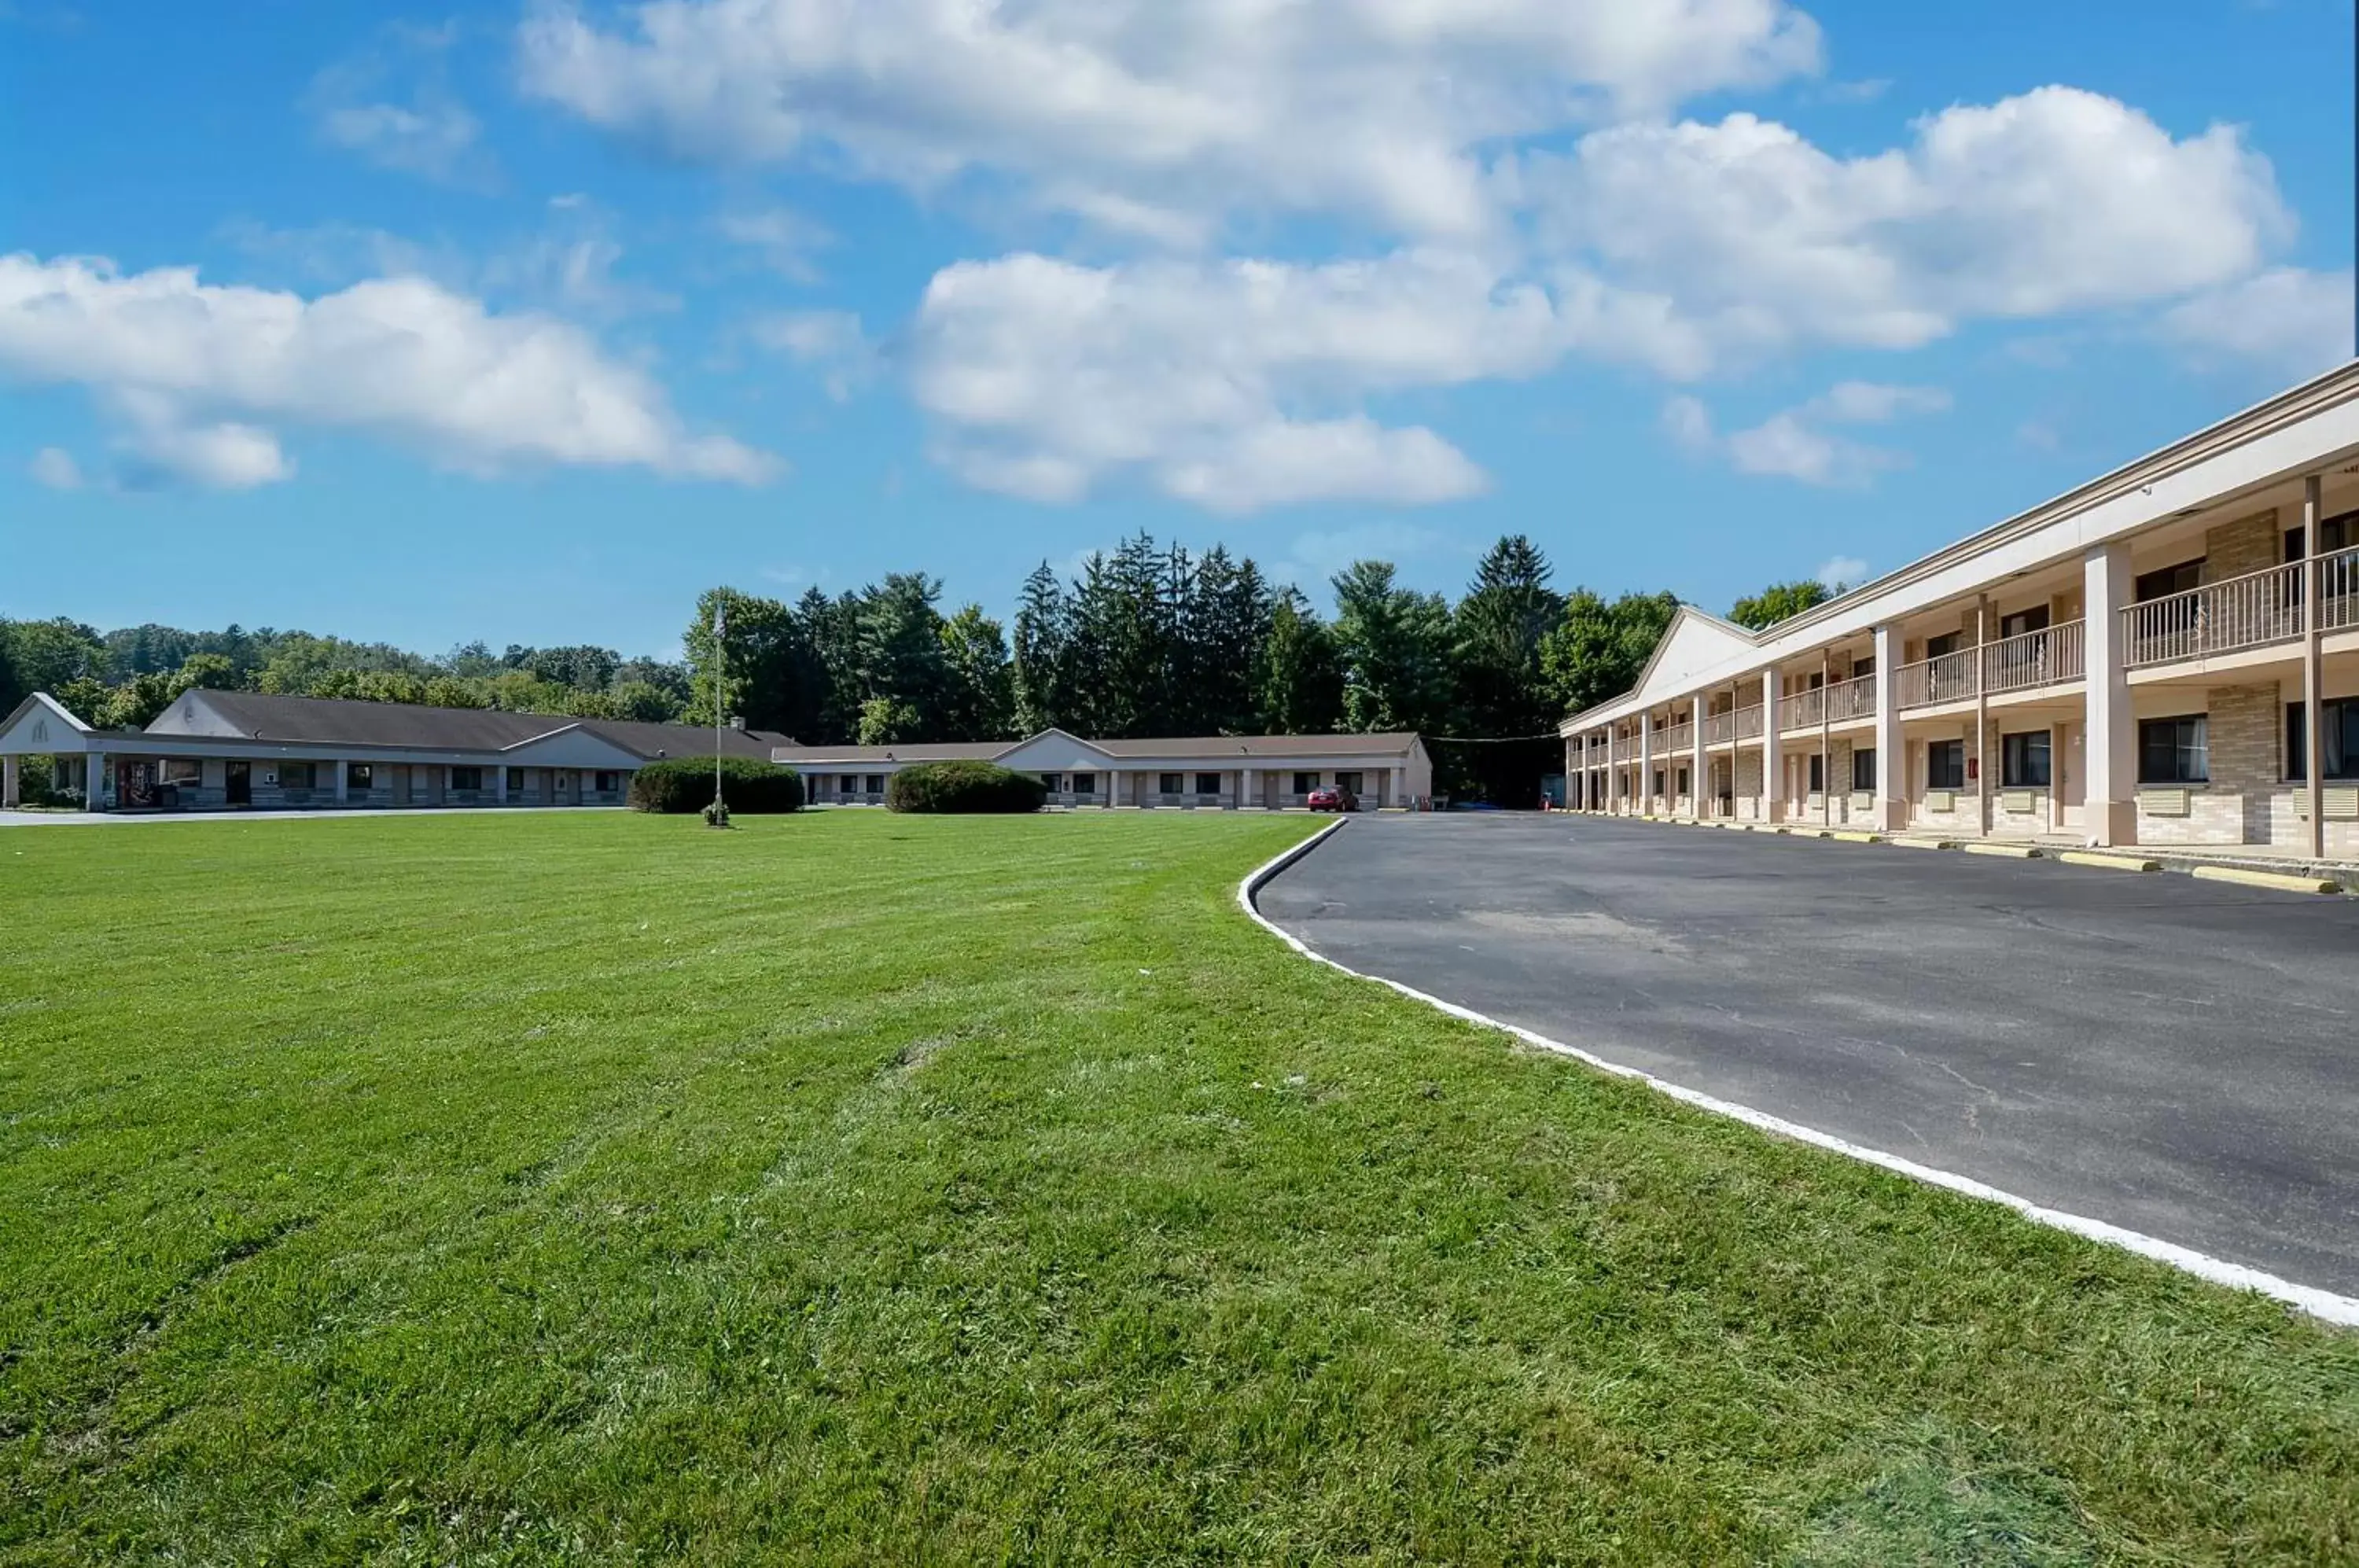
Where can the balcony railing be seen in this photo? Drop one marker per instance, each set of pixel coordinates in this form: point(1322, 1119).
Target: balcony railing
point(2252, 611)
point(1853, 698)
point(2338, 600)
point(1718, 728)
point(1679, 736)
point(1945, 678)
point(1748, 723)
point(1802, 711)
point(2043, 657)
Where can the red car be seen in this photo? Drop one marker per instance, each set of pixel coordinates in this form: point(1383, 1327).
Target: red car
point(1332, 798)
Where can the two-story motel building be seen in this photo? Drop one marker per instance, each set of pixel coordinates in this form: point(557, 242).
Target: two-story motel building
point(2138, 661)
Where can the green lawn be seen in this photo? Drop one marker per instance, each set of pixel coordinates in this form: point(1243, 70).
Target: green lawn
point(856, 1187)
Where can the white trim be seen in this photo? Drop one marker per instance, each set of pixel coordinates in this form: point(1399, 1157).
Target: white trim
point(2323, 1304)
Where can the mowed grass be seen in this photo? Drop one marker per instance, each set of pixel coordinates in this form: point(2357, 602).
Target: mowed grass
point(860, 1188)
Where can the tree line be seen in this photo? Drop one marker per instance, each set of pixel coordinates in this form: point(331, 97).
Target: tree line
point(1145, 640)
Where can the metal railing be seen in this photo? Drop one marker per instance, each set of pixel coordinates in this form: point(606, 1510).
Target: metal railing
point(2042, 658)
point(1946, 677)
point(2338, 598)
point(1853, 698)
point(2252, 611)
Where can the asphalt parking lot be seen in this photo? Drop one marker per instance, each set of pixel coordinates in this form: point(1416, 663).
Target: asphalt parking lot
point(2177, 1057)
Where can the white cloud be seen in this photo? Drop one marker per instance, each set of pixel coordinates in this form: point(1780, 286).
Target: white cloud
point(2053, 201)
point(2289, 322)
point(431, 133)
point(55, 467)
point(198, 376)
point(831, 341)
point(1151, 117)
point(786, 241)
point(1234, 386)
point(1794, 443)
point(1841, 572)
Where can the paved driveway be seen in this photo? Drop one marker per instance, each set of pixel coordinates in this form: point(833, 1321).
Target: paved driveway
point(2178, 1057)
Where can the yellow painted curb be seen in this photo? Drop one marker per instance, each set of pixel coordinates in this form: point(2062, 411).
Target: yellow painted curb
point(2109, 862)
point(2003, 851)
point(1816, 833)
point(1860, 837)
point(1927, 843)
point(2283, 882)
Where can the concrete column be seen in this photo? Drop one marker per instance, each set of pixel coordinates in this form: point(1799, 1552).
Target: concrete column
point(1613, 769)
point(1773, 762)
point(1891, 763)
point(1646, 764)
point(2109, 806)
point(2313, 709)
point(11, 784)
point(343, 780)
point(94, 770)
point(500, 785)
point(1982, 715)
point(1698, 763)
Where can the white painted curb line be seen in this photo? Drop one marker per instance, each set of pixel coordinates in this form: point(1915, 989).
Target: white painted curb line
point(2323, 1304)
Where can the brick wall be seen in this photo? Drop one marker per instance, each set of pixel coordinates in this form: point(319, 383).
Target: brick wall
point(2241, 545)
point(2247, 764)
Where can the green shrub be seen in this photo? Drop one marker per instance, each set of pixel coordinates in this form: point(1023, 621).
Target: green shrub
point(682, 786)
point(963, 787)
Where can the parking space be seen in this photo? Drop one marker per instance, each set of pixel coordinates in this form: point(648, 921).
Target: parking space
point(2177, 1057)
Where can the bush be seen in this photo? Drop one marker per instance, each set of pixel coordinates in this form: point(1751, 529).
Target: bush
point(682, 786)
point(963, 787)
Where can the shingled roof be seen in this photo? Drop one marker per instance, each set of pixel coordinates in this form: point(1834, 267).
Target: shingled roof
point(322, 721)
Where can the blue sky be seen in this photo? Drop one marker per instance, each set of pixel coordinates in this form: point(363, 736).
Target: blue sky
point(529, 322)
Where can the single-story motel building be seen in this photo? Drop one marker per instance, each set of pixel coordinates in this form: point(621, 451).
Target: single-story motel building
point(1203, 772)
point(2140, 661)
point(214, 751)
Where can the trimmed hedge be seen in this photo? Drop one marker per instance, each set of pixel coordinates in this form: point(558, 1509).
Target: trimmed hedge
point(682, 786)
point(963, 787)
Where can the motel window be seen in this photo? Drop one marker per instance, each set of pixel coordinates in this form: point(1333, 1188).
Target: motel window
point(359, 775)
point(179, 770)
point(1085, 783)
point(516, 780)
point(1168, 783)
point(1052, 780)
point(876, 784)
point(1348, 781)
point(609, 782)
point(2339, 722)
point(2175, 751)
point(2336, 533)
point(1658, 781)
point(1305, 782)
point(1683, 780)
point(465, 779)
point(1935, 647)
point(297, 775)
point(851, 785)
point(1863, 767)
point(1945, 765)
point(1818, 772)
point(1208, 783)
point(2162, 582)
point(2023, 760)
point(1863, 667)
point(2032, 620)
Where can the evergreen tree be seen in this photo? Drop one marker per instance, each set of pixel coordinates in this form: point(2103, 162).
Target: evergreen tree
point(1042, 653)
point(899, 653)
point(1598, 649)
point(1297, 676)
point(1395, 647)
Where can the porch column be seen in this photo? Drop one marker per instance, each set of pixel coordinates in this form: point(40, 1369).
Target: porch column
point(93, 784)
point(2313, 587)
point(1248, 787)
point(1982, 715)
point(10, 784)
point(1699, 761)
point(1613, 769)
point(343, 780)
point(500, 785)
point(1826, 744)
point(1646, 764)
point(1891, 764)
point(2109, 808)
point(1773, 764)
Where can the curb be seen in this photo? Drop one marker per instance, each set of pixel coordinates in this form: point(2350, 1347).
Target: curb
point(2324, 1305)
point(1858, 838)
point(1926, 843)
point(2279, 880)
point(2004, 850)
point(2108, 862)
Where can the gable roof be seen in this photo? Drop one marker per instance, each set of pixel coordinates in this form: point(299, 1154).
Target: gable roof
point(328, 721)
point(1173, 748)
point(1695, 640)
point(46, 707)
